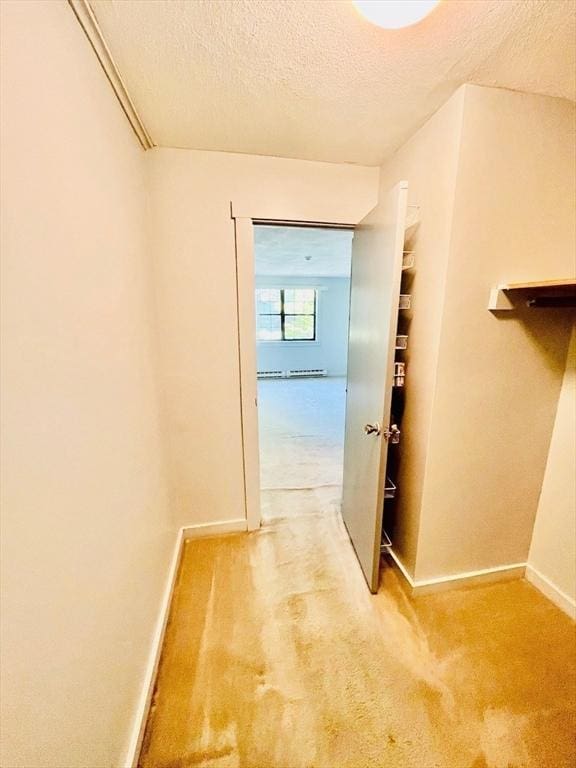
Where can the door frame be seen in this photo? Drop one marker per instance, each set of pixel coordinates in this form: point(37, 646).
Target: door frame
point(246, 313)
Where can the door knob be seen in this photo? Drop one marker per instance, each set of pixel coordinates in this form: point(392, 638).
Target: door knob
point(372, 429)
point(392, 434)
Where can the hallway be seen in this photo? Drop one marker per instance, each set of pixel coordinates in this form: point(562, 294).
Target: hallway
point(276, 656)
point(203, 204)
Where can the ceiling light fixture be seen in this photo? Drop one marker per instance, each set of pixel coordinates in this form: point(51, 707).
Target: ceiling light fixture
point(395, 14)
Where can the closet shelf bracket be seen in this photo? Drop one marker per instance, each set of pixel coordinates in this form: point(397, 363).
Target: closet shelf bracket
point(546, 293)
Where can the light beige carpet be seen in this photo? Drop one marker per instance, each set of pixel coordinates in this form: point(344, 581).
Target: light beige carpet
point(278, 504)
point(301, 429)
point(276, 656)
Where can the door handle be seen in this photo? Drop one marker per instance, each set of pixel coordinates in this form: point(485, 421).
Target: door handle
point(372, 429)
point(392, 434)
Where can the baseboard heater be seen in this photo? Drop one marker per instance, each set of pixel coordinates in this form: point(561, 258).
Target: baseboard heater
point(294, 373)
point(271, 374)
point(307, 372)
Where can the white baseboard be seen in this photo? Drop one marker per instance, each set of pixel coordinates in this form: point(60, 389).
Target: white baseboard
point(214, 529)
point(487, 575)
point(456, 580)
point(551, 591)
point(402, 568)
point(141, 714)
point(143, 708)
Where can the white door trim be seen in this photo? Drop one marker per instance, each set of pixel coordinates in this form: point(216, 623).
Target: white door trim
point(245, 287)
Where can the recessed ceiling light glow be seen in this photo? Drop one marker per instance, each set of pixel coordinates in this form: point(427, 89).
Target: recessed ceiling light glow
point(394, 14)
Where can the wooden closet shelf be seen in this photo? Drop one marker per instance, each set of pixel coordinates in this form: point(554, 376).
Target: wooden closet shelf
point(544, 284)
point(543, 293)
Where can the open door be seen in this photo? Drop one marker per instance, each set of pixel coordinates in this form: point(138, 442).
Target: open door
point(377, 251)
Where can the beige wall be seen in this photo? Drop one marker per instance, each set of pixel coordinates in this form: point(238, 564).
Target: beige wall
point(86, 538)
point(553, 548)
point(192, 237)
point(428, 161)
point(498, 376)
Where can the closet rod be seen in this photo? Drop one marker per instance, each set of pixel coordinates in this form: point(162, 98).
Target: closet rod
point(552, 301)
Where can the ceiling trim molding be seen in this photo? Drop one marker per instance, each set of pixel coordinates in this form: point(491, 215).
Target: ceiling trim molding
point(87, 20)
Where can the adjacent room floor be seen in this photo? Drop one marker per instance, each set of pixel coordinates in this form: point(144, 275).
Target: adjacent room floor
point(301, 425)
point(277, 656)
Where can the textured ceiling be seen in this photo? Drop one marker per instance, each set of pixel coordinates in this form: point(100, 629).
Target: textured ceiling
point(302, 252)
point(312, 79)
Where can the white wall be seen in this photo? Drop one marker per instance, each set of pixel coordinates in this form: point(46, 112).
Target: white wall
point(428, 161)
point(330, 350)
point(86, 536)
point(552, 558)
point(493, 174)
point(192, 237)
point(498, 376)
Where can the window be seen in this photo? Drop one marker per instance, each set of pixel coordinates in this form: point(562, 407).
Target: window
point(286, 314)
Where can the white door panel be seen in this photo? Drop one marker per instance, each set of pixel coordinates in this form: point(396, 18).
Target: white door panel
point(375, 288)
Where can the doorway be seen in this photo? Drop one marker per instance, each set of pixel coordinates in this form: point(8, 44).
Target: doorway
point(377, 256)
point(302, 298)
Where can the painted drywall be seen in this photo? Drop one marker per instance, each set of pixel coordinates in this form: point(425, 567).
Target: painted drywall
point(553, 549)
point(192, 240)
point(330, 349)
point(498, 376)
point(86, 538)
point(429, 163)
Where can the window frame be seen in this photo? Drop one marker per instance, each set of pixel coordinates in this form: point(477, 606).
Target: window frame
point(282, 315)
